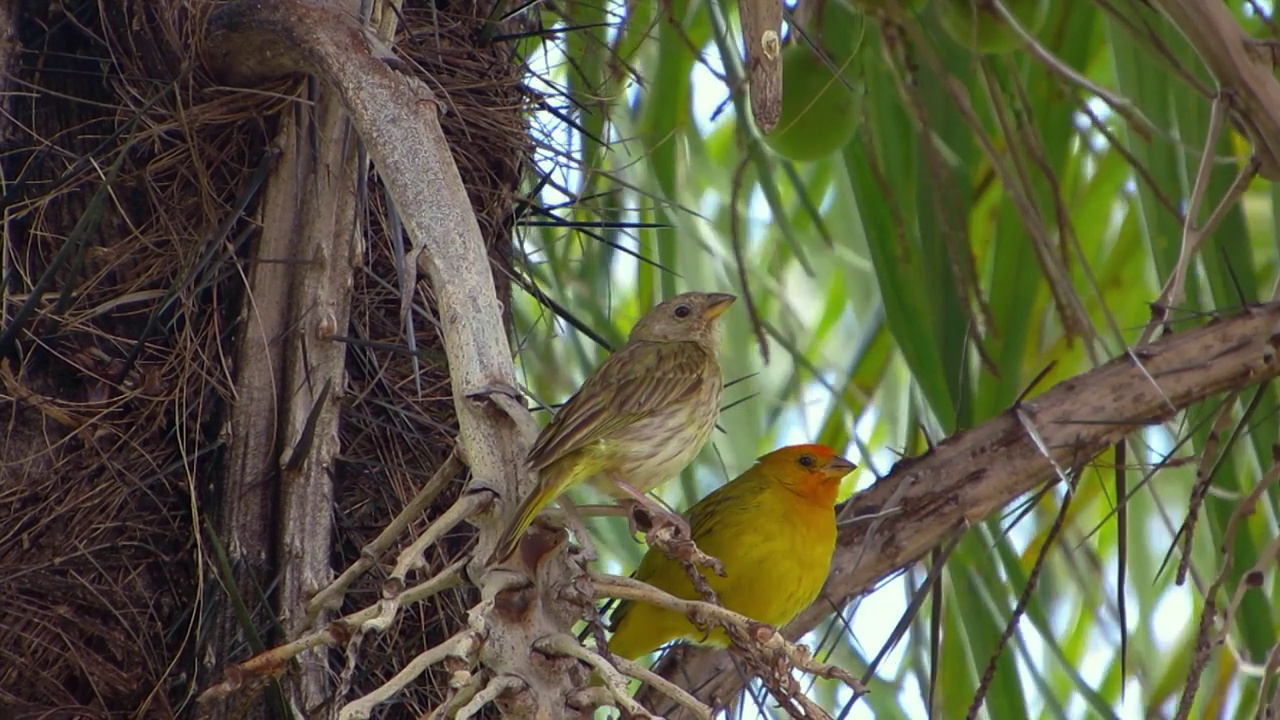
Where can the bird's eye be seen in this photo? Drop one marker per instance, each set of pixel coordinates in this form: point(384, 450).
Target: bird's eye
point(682, 311)
point(806, 461)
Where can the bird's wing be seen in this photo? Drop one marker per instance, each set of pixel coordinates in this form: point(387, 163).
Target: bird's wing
point(712, 522)
point(713, 510)
point(632, 384)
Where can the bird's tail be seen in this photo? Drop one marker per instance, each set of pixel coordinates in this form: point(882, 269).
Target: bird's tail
point(631, 642)
point(626, 644)
point(544, 493)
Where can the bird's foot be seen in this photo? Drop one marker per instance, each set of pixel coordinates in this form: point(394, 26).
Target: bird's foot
point(647, 518)
point(671, 534)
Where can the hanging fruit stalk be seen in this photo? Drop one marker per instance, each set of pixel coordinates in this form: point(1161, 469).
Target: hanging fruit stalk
point(762, 33)
point(821, 92)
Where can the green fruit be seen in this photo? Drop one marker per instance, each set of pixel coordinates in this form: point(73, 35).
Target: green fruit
point(912, 6)
point(819, 108)
point(977, 25)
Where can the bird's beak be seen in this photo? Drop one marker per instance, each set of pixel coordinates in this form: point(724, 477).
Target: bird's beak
point(838, 467)
point(717, 303)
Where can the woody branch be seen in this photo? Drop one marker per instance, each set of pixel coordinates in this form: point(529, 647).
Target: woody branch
point(973, 474)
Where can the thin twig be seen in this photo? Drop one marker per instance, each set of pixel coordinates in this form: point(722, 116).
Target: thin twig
point(412, 558)
point(664, 686)
point(1206, 640)
point(1205, 469)
point(1122, 106)
point(568, 646)
point(464, 644)
point(1024, 598)
point(1270, 671)
point(1194, 235)
point(466, 507)
point(464, 689)
point(330, 598)
point(346, 678)
point(735, 241)
point(1226, 51)
point(272, 662)
point(495, 689)
point(755, 636)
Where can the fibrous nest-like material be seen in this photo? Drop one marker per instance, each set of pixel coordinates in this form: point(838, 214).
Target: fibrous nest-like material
point(129, 232)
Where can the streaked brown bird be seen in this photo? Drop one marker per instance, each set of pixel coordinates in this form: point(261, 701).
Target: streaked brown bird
point(640, 418)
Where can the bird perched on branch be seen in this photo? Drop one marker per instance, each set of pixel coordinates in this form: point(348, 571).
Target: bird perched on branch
point(774, 529)
point(640, 418)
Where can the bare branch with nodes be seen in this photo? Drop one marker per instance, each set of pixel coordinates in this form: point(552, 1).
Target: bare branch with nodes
point(465, 645)
point(464, 686)
point(412, 557)
point(767, 652)
point(614, 682)
point(1193, 233)
point(634, 669)
point(1207, 637)
point(272, 663)
point(1244, 75)
point(330, 598)
point(491, 692)
point(928, 495)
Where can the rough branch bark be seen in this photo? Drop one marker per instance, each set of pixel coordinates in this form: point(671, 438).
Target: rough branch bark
point(245, 521)
point(288, 360)
point(315, 371)
point(973, 474)
point(397, 119)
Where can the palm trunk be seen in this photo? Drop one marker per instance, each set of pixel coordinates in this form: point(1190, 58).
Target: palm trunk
point(212, 399)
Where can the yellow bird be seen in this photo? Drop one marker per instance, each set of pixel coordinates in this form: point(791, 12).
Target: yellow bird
point(774, 529)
